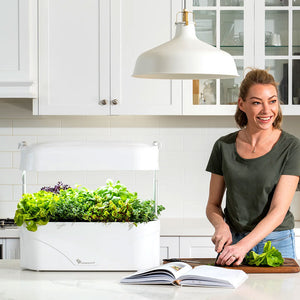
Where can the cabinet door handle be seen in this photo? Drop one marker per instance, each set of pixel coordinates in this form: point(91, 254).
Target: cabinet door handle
point(115, 102)
point(102, 102)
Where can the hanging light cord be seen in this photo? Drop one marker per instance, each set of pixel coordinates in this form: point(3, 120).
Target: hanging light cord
point(185, 14)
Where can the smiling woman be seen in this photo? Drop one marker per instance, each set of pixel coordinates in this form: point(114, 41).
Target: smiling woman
point(259, 167)
point(261, 109)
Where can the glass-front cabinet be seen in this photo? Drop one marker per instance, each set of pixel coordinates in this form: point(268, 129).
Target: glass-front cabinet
point(257, 33)
point(282, 49)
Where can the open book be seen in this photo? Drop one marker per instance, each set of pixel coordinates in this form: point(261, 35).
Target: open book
point(179, 273)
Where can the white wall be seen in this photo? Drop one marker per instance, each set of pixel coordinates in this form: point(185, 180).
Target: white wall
point(186, 145)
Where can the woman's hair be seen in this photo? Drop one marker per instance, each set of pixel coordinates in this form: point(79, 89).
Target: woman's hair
point(256, 76)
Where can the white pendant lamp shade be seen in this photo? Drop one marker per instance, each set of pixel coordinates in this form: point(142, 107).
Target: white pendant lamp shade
point(185, 57)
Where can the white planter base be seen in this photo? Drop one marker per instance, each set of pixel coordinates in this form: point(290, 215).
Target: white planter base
point(83, 246)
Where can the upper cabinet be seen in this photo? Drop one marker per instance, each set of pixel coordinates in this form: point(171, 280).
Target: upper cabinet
point(18, 49)
point(279, 45)
point(262, 34)
point(87, 52)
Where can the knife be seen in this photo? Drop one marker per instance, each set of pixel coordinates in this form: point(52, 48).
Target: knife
point(218, 256)
point(181, 260)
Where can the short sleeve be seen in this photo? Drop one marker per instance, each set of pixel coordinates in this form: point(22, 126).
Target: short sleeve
point(292, 164)
point(215, 161)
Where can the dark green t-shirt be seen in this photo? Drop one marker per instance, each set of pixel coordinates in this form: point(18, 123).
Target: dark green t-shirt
point(250, 183)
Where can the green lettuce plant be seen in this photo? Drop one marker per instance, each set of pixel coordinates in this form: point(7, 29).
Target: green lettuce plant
point(114, 203)
point(270, 257)
point(110, 203)
point(35, 209)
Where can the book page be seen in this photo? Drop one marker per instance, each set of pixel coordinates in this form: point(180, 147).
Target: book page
point(213, 276)
point(162, 274)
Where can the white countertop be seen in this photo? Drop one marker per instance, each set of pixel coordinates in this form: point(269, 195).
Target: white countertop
point(16, 283)
point(194, 227)
point(168, 227)
point(9, 233)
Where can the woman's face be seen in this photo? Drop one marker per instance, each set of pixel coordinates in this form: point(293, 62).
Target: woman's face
point(260, 106)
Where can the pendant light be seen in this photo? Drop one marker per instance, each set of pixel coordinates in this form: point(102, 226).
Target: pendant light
point(185, 57)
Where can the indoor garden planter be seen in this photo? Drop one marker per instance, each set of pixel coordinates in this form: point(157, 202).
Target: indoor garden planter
point(75, 229)
point(82, 246)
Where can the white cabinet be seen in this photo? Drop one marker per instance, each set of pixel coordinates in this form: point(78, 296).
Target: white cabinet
point(169, 247)
point(18, 49)
point(196, 247)
point(186, 247)
point(87, 51)
point(261, 34)
point(73, 57)
point(10, 248)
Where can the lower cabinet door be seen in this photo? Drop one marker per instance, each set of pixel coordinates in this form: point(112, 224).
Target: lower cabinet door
point(10, 248)
point(197, 247)
point(169, 247)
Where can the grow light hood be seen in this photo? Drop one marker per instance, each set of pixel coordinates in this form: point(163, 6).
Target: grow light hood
point(78, 156)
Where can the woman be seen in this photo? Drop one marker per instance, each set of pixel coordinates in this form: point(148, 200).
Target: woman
point(259, 167)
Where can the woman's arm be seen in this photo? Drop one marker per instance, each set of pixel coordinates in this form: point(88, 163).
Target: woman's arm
point(214, 213)
point(280, 204)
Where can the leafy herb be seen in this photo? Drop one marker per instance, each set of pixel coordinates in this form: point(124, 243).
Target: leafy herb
point(56, 189)
point(35, 209)
point(114, 203)
point(270, 257)
point(110, 203)
point(72, 204)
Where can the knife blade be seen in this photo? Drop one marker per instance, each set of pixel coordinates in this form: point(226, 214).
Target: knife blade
point(218, 256)
point(182, 260)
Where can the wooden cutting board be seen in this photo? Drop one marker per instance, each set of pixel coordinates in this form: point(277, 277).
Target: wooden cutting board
point(289, 265)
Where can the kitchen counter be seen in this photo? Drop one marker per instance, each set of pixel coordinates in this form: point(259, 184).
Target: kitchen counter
point(194, 227)
point(9, 232)
point(168, 227)
point(16, 283)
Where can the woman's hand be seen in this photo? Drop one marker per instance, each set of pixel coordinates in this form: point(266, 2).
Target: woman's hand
point(232, 254)
point(222, 237)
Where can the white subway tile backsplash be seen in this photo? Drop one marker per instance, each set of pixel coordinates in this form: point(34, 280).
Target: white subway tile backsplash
point(14, 176)
point(6, 192)
point(70, 178)
point(194, 209)
point(10, 143)
point(16, 158)
point(99, 178)
point(10, 176)
point(172, 198)
point(170, 160)
point(85, 126)
point(130, 133)
point(172, 176)
point(60, 138)
point(186, 143)
point(134, 126)
point(171, 131)
point(171, 143)
point(5, 159)
point(7, 209)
